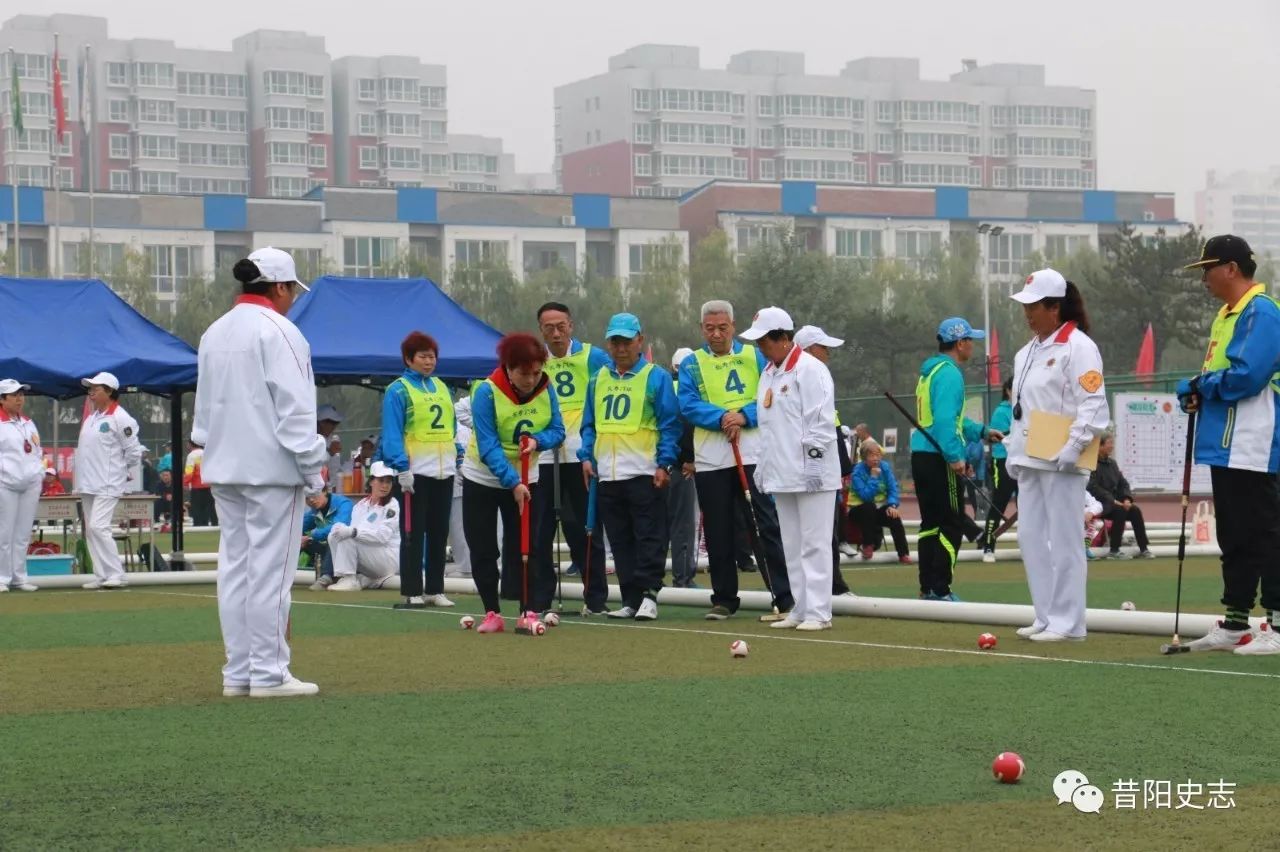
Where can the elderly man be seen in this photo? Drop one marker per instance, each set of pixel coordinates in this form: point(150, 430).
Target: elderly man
point(717, 394)
point(327, 420)
point(1109, 487)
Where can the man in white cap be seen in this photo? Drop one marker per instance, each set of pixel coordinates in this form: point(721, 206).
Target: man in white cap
point(255, 415)
point(327, 419)
point(799, 466)
point(682, 502)
point(108, 448)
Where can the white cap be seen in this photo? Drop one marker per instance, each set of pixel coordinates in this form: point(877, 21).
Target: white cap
point(811, 335)
point(380, 469)
point(328, 412)
point(276, 266)
point(680, 354)
point(104, 379)
point(767, 320)
point(1045, 284)
point(12, 386)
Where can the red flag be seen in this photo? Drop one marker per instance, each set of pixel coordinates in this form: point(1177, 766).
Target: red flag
point(1146, 354)
point(648, 353)
point(993, 361)
point(59, 104)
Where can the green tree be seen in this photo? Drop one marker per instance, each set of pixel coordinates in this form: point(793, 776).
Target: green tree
point(712, 271)
point(201, 301)
point(659, 296)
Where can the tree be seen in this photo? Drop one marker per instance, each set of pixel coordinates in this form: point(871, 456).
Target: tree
point(202, 301)
point(659, 296)
point(712, 272)
point(487, 289)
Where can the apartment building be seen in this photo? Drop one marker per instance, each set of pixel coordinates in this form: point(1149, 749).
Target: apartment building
point(1243, 203)
point(657, 123)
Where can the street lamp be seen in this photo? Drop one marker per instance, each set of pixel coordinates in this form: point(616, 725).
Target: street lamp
point(985, 232)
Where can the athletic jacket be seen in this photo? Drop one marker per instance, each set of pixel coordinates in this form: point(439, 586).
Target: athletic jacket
point(376, 524)
point(712, 450)
point(433, 459)
point(796, 406)
point(493, 459)
point(255, 412)
point(656, 441)
point(569, 378)
point(318, 524)
point(1108, 484)
point(1239, 421)
point(1001, 420)
point(21, 459)
point(881, 490)
point(941, 379)
point(108, 448)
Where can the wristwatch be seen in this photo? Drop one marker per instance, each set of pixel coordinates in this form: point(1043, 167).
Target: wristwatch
point(815, 453)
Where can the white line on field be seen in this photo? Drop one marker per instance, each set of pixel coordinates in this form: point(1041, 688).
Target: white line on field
point(602, 622)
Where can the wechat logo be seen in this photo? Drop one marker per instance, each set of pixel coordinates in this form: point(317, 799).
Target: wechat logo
point(1073, 787)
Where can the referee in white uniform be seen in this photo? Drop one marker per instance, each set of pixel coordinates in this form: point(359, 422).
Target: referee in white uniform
point(107, 451)
point(1058, 372)
point(255, 415)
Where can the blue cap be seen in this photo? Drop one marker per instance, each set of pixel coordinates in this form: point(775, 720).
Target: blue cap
point(623, 325)
point(952, 329)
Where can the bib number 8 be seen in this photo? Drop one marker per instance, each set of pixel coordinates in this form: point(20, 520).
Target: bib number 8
point(565, 386)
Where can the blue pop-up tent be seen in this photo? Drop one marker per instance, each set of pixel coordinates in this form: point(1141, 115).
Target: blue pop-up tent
point(355, 326)
point(54, 333)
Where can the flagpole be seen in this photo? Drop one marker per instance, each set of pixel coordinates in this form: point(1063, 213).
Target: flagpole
point(56, 98)
point(86, 117)
point(14, 91)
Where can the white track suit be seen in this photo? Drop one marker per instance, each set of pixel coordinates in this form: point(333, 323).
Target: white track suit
point(255, 415)
point(1059, 375)
point(108, 449)
point(21, 474)
point(374, 550)
point(795, 407)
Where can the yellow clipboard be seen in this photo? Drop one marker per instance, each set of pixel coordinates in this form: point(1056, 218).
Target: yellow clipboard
point(1047, 435)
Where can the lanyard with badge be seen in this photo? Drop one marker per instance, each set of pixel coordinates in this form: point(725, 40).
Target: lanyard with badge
point(1022, 379)
point(26, 442)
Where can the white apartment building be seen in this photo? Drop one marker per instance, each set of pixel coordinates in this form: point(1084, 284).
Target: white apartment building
point(1246, 204)
point(657, 123)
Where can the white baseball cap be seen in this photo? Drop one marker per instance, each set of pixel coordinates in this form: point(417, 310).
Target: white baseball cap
point(104, 379)
point(380, 469)
point(276, 266)
point(680, 354)
point(811, 335)
point(13, 386)
point(1045, 284)
point(328, 412)
point(767, 320)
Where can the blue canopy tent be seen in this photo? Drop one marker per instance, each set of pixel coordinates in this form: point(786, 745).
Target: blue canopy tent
point(355, 326)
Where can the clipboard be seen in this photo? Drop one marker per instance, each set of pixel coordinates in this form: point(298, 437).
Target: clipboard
point(1047, 435)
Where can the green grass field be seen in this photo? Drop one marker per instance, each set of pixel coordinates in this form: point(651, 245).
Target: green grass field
point(877, 734)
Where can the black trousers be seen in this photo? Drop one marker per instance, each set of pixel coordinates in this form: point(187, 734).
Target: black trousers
point(1117, 516)
point(723, 519)
point(1247, 509)
point(424, 529)
point(635, 517)
point(481, 506)
point(873, 520)
point(573, 521)
point(838, 585)
point(203, 511)
point(941, 523)
point(1002, 491)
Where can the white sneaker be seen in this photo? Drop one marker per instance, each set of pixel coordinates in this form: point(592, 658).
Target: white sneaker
point(93, 585)
point(623, 612)
point(846, 549)
point(787, 623)
point(1028, 632)
point(648, 610)
point(322, 582)
point(26, 587)
point(1050, 636)
point(988, 556)
point(233, 691)
point(848, 594)
point(1266, 641)
point(290, 687)
point(813, 625)
point(1221, 639)
point(349, 583)
point(115, 583)
point(385, 582)
point(437, 600)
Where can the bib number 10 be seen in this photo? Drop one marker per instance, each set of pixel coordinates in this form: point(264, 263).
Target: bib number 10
point(616, 406)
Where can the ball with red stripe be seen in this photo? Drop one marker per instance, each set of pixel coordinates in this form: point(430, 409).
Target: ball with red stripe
point(987, 641)
point(1008, 767)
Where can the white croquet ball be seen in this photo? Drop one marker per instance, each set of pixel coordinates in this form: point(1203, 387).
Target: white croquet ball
point(551, 619)
point(1128, 606)
point(738, 648)
point(466, 622)
point(539, 628)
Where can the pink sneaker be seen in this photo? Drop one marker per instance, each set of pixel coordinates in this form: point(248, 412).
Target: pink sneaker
point(492, 623)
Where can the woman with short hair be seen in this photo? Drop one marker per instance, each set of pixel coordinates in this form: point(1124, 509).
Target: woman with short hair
point(108, 448)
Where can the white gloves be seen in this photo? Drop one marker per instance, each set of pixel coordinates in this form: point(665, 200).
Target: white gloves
point(814, 469)
point(341, 532)
point(313, 484)
point(1067, 457)
point(406, 481)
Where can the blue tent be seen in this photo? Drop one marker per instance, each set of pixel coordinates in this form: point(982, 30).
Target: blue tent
point(355, 326)
point(54, 333)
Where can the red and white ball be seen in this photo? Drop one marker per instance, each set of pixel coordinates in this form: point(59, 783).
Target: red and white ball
point(1128, 606)
point(1008, 767)
point(551, 619)
point(987, 641)
point(539, 628)
point(739, 649)
point(466, 622)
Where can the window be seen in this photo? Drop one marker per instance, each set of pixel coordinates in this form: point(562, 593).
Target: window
point(1000, 177)
point(764, 106)
point(286, 118)
point(403, 124)
point(284, 82)
point(1007, 253)
point(317, 156)
point(75, 257)
point(696, 166)
point(117, 110)
point(764, 137)
point(156, 112)
point(884, 174)
point(32, 140)
point(157, 182)
point(1000, 116)
point(1058, 246)
point(172, 266)
point(472, 186)
point(287, 153)
point(642, 100)
point(999, 146)
point(884, 143)
point(31, 176)
point(886, 111)
point(475, 163)
point(1052, 116)
point(1050, 146)
point(644, 192)
point(288, 187)
point(642, 133)
point(227, 85)
point(699, 100)
point(644, 258)
point(158, 74)
point(117, 74)
point(33, 103)
point(221, 120)
point(158, 147)
point(364, 257)
point(642, 165)
point(31, 66)
point(118, 181)
point(935, 143)
point(813, 137)
point(118, 146)
point(859, 172)
point(315, 86)
point(192, 83)
point(368, 157)
point(916, 246)
point(366, 89)
point(435, 131)
point(756, 234)
point(766, 169)
point(857, 243)
point(432, 97)
point(827, 170)
point(403, 89)
point(942, 112)
point(315, 121)
point(435, 164)
point(1041, 178)
point(404, 158)
point(366, 124)
point(473, 252)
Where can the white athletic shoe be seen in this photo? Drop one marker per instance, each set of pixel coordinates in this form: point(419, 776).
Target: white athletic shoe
point(437, 600)
point(385, 582)
point(93, 585)
point(233, 691)
point(26, 587)
point(813, 625)
point(349, 583)
point(1050, 636)
point(322, 582)
point(648, 610)
point(1221, 639)
point(623, 612)
point(786, 623)
point(988, 556)
point(848, 550)
point(289, 688)
point(1028, 632)
point(115, 583)
point(1265, 641)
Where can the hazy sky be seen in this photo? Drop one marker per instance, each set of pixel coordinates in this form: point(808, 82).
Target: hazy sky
point(1182, 87)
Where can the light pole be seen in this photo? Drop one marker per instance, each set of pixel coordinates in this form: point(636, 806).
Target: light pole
point(985, 232)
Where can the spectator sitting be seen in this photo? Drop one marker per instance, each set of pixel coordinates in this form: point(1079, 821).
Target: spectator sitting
point(1108, 485)
point(52, 486)
point(873, 502)
point(323, 512)
point(164, 495)
point(366, 548)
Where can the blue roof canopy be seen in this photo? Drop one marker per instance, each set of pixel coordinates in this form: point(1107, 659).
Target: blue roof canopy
point(355, 326)
point(53, 333)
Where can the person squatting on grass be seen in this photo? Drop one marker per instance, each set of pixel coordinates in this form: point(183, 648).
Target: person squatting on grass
point(1108, 485)
point(323, 511)
point(874, 502)
point(366, 551)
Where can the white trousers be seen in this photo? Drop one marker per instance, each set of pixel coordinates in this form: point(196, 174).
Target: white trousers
point(457, 538)
point(1050, 513)
point(257, 559)
point(806, 522)
point(17, 514)
point(368, 558)
point(98, 510)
